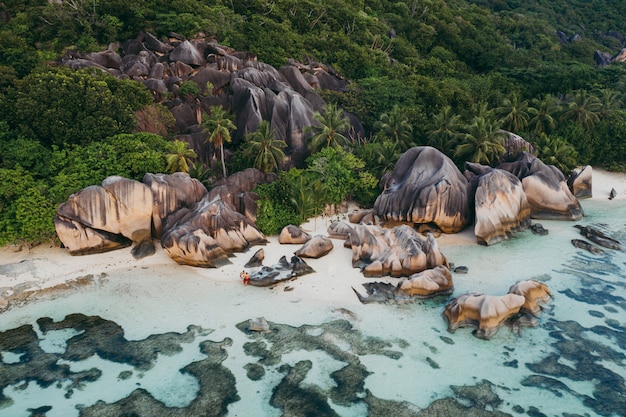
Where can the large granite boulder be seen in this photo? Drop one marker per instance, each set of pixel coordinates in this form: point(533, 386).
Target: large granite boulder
point(171, 192)
point(534, 292)
point(293, 235)
point(316, 247)
point(284, 270)
point(425, 188)
point(580, 182)
point(484, 312)
point(101, 218)
point(501, 207)
point(546, 189)
point(400, 251)
point(205, 234)
point(428, 283)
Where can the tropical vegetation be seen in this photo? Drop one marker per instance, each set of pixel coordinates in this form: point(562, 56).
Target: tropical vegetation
point(453, 74)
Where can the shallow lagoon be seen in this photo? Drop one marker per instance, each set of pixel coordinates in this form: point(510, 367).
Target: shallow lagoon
point(153, 344)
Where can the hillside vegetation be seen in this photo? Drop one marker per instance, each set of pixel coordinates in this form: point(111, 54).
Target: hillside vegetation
point(450, 74)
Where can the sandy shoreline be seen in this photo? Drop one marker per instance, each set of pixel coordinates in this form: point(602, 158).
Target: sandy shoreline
point(44, 271)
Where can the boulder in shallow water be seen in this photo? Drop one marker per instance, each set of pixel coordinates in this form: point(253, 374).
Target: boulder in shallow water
point(536, 294)
point(484, 312)
point(425, 187)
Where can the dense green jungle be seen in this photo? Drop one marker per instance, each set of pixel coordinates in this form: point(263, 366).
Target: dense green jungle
point(451, 74)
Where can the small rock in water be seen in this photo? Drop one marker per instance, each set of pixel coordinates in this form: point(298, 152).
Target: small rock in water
point(612, 194)
point(461, 270)
point(259, 325)
point(538, 229)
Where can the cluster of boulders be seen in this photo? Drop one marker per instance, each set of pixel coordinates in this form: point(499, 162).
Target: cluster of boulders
point(253, 91)
point(427, 190)
point(195, 227)
point(486, 313)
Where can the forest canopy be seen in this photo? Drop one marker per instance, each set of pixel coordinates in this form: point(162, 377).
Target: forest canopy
point(450, 74)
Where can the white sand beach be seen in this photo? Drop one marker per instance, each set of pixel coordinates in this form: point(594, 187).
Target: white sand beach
point(49, 271)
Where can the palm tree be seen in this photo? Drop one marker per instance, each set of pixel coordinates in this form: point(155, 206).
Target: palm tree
point(331, 123)
point(482, 142)
point(387, 153)
point(513, 113)
point(396, 125)
point(558, 152)
point(543, 112)
point(268, 152)
point(445, 130)
point(610, 101)
point(218, 126)
point(179, 157)
point(583, 108)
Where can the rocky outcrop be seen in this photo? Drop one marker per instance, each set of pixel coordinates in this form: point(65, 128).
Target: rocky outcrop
point(170, 193)
point(425, 188)
point(293, 235)
point(545, 188)
point(400, 251)
point(253, 91)
point(580, 182)
point(486, 313)
point(205, 234)
point(501, 207)
point(339, 230)
point(101, 218)
point(316, 247)
point(534, 292)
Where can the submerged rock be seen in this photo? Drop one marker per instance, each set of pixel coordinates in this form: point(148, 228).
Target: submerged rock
point(599, 235)
point(425, 187)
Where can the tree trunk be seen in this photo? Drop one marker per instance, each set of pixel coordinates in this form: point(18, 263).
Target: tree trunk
point(223, 164)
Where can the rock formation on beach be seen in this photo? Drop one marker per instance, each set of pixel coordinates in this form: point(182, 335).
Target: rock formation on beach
point(425, 188)
point(501, 207)
point(316, 247)
point(546, 189)
point(580, 182)
point(400, 251)
point(293, 235)
point(284, 270)
point(196, 227)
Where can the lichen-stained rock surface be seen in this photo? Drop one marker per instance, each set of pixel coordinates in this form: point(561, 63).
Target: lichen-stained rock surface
point(484, 312)
point(96, 218)
point(400, 251)
point(206, 233)
point(316, 247)
point(284, 270)
point(170, 193)
point(293, 235)
point(425, 187)
point(546, 189)
point(500, 203)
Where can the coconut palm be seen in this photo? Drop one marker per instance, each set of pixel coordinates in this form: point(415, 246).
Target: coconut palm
point(482, 142)
point(180, 157)
point(610, 101)
point(582, 108)
point(218, 126)
point(387, 153)
point(329, 132)
point(445, 130)
point(513, 113)
point(543, 112)
point(396, 126)
point(557, 151)
point(267, 151)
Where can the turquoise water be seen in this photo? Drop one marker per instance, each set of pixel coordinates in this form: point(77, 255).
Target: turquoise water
point(162, 345)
